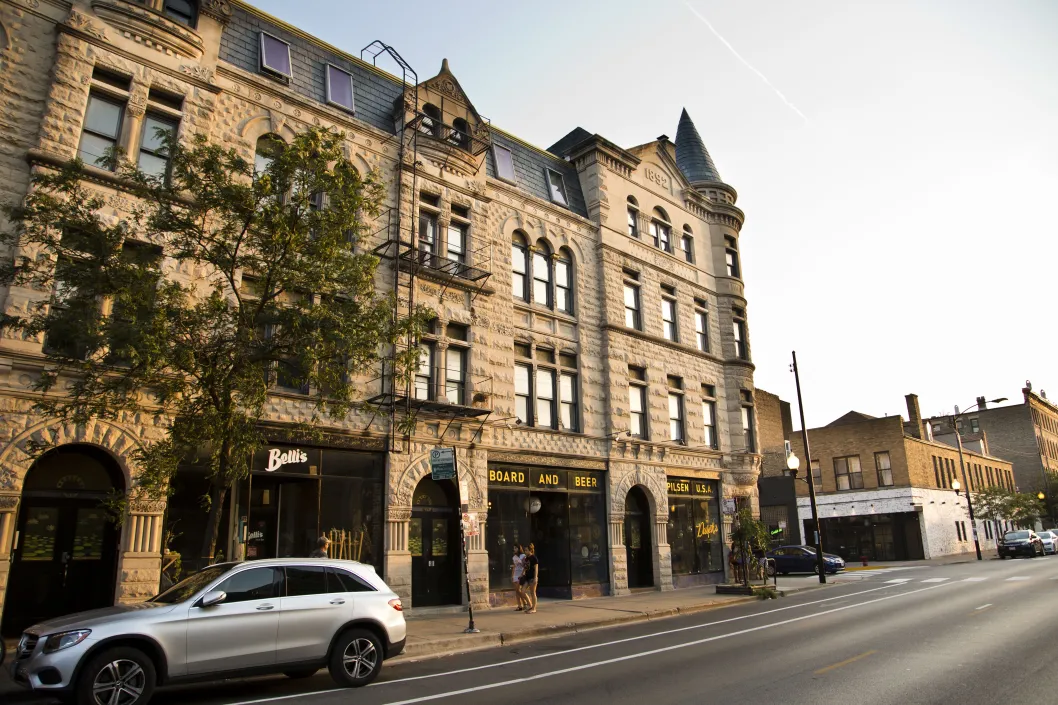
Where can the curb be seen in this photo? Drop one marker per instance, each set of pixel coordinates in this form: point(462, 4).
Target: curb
point(447, 647)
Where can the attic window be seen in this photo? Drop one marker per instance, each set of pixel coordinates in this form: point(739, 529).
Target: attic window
point(339, 88)
point(557, 187)
point(275, 56)
point(504, 162)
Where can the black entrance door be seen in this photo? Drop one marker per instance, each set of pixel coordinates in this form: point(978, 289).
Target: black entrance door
point(65, 560)
point(637, 540)
point(433, 540)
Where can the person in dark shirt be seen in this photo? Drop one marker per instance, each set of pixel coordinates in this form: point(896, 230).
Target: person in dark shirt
point(321, 548)
point(531, 577)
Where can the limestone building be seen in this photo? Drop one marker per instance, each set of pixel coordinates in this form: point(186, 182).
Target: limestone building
point(590, 362)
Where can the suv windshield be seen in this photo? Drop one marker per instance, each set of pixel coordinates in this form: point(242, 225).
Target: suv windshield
point(190, 585)
point(1011, 535)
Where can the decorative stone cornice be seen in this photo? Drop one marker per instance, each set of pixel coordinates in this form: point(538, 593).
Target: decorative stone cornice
point(149, 28)
point(8, 502)
point(219, 10)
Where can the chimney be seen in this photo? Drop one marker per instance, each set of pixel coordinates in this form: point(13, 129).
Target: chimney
point(914, 415)
point(982, 403)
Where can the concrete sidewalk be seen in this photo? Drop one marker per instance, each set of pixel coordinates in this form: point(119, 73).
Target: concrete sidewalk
point(440, 634)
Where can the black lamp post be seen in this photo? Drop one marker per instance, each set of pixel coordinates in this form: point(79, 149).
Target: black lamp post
point(962, 467)
point(811, 482)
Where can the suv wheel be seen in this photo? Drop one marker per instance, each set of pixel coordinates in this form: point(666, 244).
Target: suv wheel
point(356, 658)
point(119, 676)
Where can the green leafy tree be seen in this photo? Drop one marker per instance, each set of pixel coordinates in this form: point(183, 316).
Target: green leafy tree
point(749, 535)
point(1024, 509)
point(993, 504)
point(226, 278)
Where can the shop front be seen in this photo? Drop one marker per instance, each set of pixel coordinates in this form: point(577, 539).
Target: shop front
point(694, 531)
point(563, 513)
point(877, 537)
point(294, 495)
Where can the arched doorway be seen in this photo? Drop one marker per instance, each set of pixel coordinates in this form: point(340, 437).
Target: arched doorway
point(637, 540)
point(433, 540)
point(66, 557)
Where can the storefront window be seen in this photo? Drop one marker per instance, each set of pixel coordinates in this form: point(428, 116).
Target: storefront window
point(694, 526)
point(587, 539)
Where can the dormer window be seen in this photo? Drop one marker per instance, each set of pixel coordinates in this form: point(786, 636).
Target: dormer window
point(183, 11)
point(504, 162)
point(557, 187)
point(275, 56)
point(459, 134)
point(431, 120)
point(339, 88)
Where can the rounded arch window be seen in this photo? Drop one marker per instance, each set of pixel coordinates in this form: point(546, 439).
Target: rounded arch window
point(660, 230)
point(431, 121)
point(519, 266)
point(542, 275)
point(633, 202)
point(460, 134)
point(633, 217)
point(564, 281)
point(183, 11)
point(268, 148)
point(687, 243)
point(661, 214)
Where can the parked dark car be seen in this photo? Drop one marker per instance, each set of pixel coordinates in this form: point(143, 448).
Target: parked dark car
point(1020, 543)
point(802, 559)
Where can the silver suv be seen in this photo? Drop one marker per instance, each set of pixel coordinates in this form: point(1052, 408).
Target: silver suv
point(290, 616)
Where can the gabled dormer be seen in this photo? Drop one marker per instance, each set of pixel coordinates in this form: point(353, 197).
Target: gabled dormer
point(450, 130)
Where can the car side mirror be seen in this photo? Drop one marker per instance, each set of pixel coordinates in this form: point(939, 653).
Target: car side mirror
point(213, 597)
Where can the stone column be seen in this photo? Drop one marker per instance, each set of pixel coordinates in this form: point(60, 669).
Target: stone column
point(132, 126)
point(618, 557)
point(397, 562)
point(8, 516)
point(141, 557)
point(663, 554)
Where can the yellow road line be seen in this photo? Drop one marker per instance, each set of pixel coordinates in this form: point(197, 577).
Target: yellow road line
point(846, 662)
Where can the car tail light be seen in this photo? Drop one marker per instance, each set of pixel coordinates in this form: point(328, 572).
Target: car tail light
point(395, 604)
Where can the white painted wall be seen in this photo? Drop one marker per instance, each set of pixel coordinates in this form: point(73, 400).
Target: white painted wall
point(938, 512)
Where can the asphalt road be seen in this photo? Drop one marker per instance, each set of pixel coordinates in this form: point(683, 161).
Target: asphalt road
point(967, 633)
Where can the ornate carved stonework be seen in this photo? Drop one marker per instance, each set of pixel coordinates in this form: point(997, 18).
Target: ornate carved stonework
point(396, 514)
point(548, 460)
point(147, 506)
point(217, 9)
point(8, 502)
point(83, 23)
point(150, 28)
point(202, 73)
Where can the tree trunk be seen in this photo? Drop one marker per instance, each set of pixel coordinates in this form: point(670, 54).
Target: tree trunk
point(217, 495)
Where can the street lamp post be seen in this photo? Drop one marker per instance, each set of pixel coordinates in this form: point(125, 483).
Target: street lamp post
point(962, 468)
point(821, 569)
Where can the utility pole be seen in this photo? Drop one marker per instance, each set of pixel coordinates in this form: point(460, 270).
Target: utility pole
point(811, 481)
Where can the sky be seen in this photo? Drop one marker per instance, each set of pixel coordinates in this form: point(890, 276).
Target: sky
point(895, 162)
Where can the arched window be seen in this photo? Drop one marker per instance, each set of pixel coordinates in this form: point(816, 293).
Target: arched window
point(661, 230)
point(460, 134)
point(183, 11)
point(687, 244)
point(633, 217)
point(564, 282)
point(519, 267)
point(431, 122)
point(268, 147)
point(542, 275)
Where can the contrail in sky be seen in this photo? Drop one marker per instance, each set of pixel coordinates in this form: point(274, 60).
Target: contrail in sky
point(746, 63)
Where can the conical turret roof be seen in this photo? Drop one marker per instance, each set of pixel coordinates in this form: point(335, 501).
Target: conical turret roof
point(691, 155)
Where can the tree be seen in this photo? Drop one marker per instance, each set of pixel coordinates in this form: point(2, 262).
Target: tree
point(993, 504)
point(1024, 509)
point(750, 535)
point(223, 280)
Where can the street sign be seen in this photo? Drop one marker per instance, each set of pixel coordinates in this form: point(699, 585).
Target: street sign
point(729, 505)
point(443, 463)
point(464, 496)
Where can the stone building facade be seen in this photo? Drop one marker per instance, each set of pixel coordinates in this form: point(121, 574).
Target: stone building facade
point(887, 493)
point(1026, 433)
point(590, 362)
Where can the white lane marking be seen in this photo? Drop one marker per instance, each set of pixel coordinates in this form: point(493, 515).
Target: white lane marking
point(579, 648)
point(652, 652)
point(935, 580)
point(1017, 577)
point(899, 580)
point(974, 580)
point(984, 606)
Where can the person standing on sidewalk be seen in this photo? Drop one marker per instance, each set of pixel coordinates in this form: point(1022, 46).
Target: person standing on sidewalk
point(322, 545)
point(531, 577)
point(517, 571)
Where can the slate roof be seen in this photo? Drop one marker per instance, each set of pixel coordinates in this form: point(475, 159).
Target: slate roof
point(691, 155)
point(529, 166)
point(565, 145)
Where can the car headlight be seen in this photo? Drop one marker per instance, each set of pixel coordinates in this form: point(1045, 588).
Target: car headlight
point(64, 640)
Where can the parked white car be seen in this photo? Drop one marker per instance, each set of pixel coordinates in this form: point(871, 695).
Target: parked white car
point(294, 616)
point(1050, 541)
